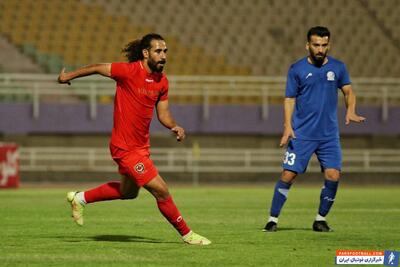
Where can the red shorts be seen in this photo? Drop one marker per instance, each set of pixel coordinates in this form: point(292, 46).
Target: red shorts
point(136, 165)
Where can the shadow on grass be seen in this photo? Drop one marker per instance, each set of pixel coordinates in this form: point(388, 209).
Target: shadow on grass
point(292, 229)
point(127, 238)
point(115, 238)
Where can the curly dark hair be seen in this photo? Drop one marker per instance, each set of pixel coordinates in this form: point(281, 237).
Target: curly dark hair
point(133, 50)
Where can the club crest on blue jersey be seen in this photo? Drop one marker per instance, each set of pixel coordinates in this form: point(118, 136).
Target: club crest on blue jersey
point(330, 76)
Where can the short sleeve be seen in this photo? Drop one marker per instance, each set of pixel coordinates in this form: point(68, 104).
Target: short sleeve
point(119, 70)
point(164, 91)
point(344, 77)
point(292, 84)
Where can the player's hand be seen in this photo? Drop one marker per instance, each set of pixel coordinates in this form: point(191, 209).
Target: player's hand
point(353, 117)
point(62, 77)
point(287, 134)
point(179, 132)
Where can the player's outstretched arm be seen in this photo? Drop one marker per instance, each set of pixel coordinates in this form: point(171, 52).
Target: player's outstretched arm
point(102, 69)
point(350, 101)
point(288, 106)
point(165, 117)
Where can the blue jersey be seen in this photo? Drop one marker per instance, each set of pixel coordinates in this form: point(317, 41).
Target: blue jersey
point(316, 92)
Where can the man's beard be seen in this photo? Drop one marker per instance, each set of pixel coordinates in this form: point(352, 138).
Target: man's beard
point(318, 61)
point(155, 67)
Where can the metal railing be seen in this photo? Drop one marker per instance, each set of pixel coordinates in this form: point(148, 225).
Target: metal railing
point(220, 160)
point(378, 91)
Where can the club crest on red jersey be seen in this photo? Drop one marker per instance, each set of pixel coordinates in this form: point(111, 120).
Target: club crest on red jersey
point(139, 168)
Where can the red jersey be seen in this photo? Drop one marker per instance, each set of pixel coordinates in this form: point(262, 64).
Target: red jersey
point(136, 95)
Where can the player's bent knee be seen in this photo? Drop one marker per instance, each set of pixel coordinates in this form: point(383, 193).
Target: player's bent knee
point(288, 176)
point(159, 192)
point(288, 180)
point(162, 194)
point(129, 195)
point(332, 175)
point(158, 188)
point(334, 179)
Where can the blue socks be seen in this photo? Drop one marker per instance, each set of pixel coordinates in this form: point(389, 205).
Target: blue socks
point(327, 197)
point(280, 196)
point(281, 191)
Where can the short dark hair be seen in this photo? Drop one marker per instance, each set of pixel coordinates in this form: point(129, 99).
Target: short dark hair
point(133, 50)
point(319, 31)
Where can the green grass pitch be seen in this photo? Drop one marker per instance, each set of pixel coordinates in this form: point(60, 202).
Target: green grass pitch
point(36, 228)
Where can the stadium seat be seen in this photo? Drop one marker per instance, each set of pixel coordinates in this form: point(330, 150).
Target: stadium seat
point(246, 34)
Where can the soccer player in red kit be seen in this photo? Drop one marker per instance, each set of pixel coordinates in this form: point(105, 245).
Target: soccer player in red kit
point(140, 86)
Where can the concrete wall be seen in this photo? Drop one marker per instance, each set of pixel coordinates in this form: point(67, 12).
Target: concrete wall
point(17, 118)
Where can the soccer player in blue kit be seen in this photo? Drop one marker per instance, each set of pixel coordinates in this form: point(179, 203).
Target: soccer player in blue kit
point(311, 126)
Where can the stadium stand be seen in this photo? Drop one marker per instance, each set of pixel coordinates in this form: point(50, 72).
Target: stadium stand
point(83, 34)
point(232, 37)
point(386, 14)
point(268, 35)
point(11, 60)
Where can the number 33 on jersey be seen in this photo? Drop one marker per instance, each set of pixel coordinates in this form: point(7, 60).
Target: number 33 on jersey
point(289, 158)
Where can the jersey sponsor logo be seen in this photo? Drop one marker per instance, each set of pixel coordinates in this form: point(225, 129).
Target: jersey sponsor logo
point(139, 168)
point(330, 76)
point(148, 92)
point(308, 75)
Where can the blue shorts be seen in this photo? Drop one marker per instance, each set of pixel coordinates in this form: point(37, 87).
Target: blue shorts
point(299, 152)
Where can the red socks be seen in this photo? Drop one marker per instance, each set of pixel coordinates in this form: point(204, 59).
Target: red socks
point(167, 207)
point(171, 213)
point(108, 191)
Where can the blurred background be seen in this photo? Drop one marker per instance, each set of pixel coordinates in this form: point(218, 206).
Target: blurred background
point(227, 68)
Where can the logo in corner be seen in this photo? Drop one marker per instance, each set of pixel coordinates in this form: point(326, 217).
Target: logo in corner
point(139, 167)
point(367, 257)
point(391, 258)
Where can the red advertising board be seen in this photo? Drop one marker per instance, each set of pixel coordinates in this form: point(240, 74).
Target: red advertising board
point(9, 165)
